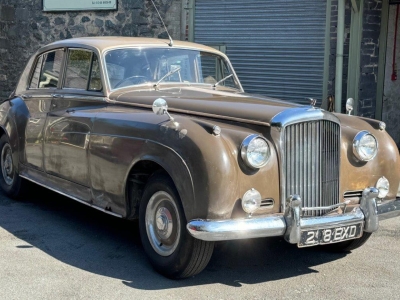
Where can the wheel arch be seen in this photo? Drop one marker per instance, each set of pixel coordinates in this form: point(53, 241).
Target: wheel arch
point(142, 169)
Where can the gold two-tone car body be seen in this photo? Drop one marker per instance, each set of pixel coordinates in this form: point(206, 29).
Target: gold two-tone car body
point(138, 128)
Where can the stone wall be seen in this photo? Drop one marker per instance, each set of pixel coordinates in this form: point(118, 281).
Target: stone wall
point(369, 58)
point(391, 94)
point(24, 28)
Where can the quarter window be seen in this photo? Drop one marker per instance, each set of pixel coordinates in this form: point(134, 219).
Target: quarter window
point(47, 70)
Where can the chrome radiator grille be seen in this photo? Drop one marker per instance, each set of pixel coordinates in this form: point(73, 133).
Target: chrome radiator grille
point(311, 163)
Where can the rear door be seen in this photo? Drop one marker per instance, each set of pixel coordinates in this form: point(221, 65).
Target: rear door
point(38, 99)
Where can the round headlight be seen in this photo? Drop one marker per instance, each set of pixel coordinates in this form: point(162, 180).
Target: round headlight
point(365, 146)
point(255, 151)
point(251, 201)
point(383, 186)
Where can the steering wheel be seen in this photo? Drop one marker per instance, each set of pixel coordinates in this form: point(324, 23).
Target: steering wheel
point(136, 79)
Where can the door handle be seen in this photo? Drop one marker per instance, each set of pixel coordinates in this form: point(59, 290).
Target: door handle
point(70, 111)
point(26, 96)
point(57, 96)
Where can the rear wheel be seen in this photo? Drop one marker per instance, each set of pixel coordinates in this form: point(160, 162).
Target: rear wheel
point(10, 182)
point(170, 248)
point(350, 245)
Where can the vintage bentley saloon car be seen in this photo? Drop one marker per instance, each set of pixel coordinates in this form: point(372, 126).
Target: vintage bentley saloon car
point(140, 129)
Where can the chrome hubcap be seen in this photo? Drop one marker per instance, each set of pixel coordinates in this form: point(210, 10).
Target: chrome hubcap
point(162, 223)
point(7, 166)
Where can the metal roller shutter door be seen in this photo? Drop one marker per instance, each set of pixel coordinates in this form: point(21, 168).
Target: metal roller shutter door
point(276, 47)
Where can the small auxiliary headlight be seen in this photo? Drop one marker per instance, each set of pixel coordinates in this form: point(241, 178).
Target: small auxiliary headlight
point(251, 201)
point(383, 186)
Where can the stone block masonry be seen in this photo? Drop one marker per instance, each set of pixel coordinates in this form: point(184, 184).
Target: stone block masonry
point(369, 58)
point(24, 28)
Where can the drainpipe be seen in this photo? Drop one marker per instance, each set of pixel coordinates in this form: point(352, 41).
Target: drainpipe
point(339, 56)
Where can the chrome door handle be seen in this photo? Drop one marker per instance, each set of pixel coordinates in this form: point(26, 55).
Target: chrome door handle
point(26, 96)
point(57, 96)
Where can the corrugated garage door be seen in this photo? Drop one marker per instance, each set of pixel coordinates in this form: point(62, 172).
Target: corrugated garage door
point(276, 47)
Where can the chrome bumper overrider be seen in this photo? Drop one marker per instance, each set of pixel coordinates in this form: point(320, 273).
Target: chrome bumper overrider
point(290, 224)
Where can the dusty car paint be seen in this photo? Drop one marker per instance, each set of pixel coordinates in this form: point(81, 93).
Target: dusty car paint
point(109, 133)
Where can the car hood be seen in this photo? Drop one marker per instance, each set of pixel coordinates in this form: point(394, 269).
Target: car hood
point(208, 102)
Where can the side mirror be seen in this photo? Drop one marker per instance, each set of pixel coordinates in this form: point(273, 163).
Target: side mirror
point(349, 105)
point(160, 106)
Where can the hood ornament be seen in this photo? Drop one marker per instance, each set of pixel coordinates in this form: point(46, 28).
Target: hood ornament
point(312, 101)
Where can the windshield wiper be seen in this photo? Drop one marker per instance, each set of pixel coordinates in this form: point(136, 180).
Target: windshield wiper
point(222, 80)
point(166, 75)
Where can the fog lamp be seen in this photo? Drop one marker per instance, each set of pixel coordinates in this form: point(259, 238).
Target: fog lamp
point(383, 186)
point(251, 201)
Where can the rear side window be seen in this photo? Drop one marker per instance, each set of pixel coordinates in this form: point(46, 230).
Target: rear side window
point(47, 70)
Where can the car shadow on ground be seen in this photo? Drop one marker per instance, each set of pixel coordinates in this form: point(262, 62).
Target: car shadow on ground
point(90, 240)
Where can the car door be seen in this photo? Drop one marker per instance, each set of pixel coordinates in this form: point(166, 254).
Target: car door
point(38, 99)
point(71, 116)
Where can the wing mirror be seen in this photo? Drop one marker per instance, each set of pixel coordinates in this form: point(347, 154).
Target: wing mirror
point(160, 107)
point(349, 105)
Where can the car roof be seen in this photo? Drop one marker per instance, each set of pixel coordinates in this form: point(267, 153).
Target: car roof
point(104, 43)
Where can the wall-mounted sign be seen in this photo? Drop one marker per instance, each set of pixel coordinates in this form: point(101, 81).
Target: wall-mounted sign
point(77, 5)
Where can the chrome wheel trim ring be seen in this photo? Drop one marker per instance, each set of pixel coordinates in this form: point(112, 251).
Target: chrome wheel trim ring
point(163, 223)
point(7, 166)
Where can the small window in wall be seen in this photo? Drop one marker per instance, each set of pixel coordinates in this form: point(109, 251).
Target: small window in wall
point(47, 70)
point(78, 68)
point(95, 78)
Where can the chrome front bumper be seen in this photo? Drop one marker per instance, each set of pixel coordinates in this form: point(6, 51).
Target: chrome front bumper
point(290, 224)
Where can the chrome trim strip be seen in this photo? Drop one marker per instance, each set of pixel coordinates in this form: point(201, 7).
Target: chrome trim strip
point(71, 197)
point(302, 114)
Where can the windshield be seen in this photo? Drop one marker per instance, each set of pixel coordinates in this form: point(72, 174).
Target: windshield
point(155, 66)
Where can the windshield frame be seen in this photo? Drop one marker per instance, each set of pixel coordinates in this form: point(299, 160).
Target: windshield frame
point(151, 84)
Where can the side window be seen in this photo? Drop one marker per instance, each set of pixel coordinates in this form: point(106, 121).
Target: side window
point(36, 74)
point(47, 70)
point(78, 68)
point(95, 79)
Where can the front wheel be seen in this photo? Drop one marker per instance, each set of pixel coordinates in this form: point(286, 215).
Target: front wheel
point(350, 245)
point(172, 251)
point(10, 182)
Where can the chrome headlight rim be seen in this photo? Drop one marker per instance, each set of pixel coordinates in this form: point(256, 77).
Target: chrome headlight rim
point(356, 145)
point(244, 151)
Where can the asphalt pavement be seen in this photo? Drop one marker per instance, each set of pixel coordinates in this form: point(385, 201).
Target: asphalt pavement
point(54, 248)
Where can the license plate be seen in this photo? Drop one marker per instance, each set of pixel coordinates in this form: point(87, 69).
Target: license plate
point(330, 235)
